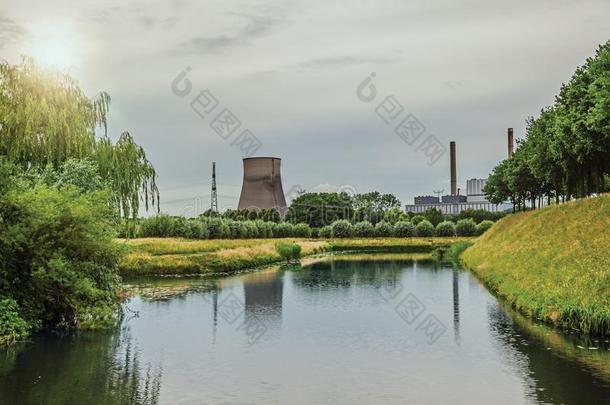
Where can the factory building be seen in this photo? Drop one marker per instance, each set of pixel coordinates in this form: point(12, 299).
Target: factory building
point(456, 202)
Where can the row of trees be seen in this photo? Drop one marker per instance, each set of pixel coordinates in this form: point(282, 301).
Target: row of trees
point(566, 151)
point(215, 227)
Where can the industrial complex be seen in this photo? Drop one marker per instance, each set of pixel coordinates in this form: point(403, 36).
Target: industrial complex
point(262, 188)
point(455, 202)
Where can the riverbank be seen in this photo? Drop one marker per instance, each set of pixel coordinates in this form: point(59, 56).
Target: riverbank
point(552, 264)
point(176, 256)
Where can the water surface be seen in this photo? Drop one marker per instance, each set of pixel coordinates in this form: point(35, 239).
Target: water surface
point(387, 329)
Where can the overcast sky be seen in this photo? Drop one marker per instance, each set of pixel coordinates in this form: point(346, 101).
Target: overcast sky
point(289, 71)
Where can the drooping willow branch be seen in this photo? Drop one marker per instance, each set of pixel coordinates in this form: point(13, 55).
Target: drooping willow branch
point(45, 118)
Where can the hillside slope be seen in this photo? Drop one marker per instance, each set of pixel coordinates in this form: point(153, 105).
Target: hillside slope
point(552, 264)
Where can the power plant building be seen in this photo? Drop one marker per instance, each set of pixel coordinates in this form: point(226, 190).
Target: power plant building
point(455, 202)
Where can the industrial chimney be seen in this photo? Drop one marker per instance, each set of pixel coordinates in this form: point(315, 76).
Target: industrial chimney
point(262, 185)
point(510, 143)
point(453, 171)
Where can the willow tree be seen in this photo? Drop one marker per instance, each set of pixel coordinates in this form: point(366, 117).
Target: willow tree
point(46, 118)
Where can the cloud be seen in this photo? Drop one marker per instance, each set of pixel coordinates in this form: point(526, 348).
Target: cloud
point(341, 61)
point(10, 31)
point(255, 27)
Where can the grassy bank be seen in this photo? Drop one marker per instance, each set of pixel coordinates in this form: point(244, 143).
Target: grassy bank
point(169, 256)
point(552, 264)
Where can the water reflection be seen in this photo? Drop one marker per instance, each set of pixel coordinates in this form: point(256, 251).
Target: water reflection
point(553, 366)
point(330, 334)
point(84, 368)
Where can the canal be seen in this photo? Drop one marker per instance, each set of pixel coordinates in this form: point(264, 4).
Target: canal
point(382, 328)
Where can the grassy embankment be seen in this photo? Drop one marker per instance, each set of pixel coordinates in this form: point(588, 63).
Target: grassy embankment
point(552, 264)
point(174, 256)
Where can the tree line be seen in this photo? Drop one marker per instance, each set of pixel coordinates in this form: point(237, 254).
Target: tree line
point(566, 151)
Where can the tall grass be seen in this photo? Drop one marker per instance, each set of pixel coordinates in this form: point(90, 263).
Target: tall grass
point(552, 264)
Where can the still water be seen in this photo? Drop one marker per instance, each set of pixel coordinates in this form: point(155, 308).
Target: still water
point(348, 330)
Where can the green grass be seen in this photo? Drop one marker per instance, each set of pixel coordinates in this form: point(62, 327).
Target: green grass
point(552, 264)
point(176, 256)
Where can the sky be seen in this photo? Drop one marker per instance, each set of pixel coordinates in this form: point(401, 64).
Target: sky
point(293, 74)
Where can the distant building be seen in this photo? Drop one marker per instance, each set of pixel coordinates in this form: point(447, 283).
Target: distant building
point(426, 199)
point(474, 190)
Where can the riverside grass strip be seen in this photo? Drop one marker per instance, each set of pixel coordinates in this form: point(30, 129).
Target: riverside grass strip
point(176, 256)
point(551, 264)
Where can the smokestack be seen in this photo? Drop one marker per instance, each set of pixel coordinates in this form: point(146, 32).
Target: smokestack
point(453, 171)
point(510, 143)
point(262, 185)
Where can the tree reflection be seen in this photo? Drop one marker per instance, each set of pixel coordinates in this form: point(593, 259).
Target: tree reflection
point(550, 359)
point(78, 368)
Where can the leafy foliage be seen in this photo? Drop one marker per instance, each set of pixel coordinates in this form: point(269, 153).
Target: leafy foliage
point(446, 228)
point(58, 259)
point(466, 227)
point(288, 251)
point(424, 228)
point(404, 229)
point(567, 148)
point(46, 119)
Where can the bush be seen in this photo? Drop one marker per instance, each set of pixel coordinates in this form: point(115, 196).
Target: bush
point(249, 230)
point(483, 227)
point(342, 229)
point(326, 232)
point(480, 215)
point(288, 250)
point(364, 229)
point(445, 228)
point(424, 228)
point(196, 230)
point(283, 230)
point(264, 229)
point(12, 326)
point(417, 219)
point(434, 215)
point(158, 226)
point(315, 232)
point(59, 260)
point(301, 231)
point(217, 227)
point(383, 229)
point(404, 229)
point(466, 227)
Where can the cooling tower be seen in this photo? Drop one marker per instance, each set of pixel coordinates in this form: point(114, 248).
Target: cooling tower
point(262, 185)
point(453, 169)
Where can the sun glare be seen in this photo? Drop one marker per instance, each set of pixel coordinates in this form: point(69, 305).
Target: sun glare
point(54, 47)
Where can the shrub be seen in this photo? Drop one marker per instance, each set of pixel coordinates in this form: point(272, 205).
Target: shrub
point(383, 229)
point(404, 229)
point(484, 226)
point(235, 229)
point(158, 226)
point(466, 227)
point(249, 230)
point(12, 326)
point(445, 228)
point(326, 232)
point(59, 260)
point(342, 229)
point(434, 215)
point(288, 250)
point(301, 230)
point(283, 230)
point(217, 227)
point(315, 232)
point(424, 228)
point(196, 230)
point(417, 219)
point(364, 229)
point(264, 229)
